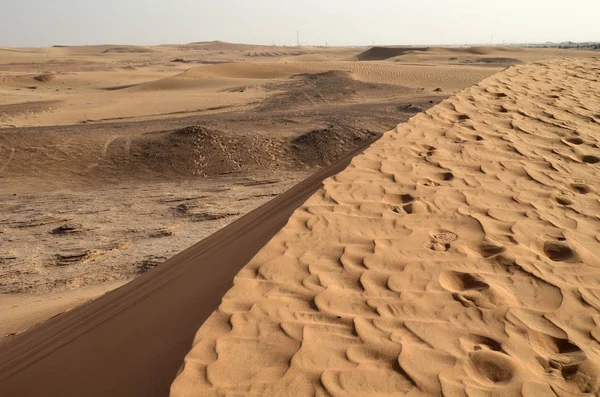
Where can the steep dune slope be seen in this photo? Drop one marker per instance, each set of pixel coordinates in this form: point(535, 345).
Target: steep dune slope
point(459, 255)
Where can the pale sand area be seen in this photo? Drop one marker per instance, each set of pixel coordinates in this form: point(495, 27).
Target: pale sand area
point(459, 255)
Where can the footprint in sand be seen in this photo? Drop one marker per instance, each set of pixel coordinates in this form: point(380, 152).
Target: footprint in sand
point(425, 150)
point(491, 367)
point(590, 159)
point(409, 206)
point(430, 150)
point(427, 182)
point(446, 176)
point(406, 198)
point(581, 188)
point(471, 290)
point(564, 359)
point(440, 240)
point(467, 289)
point(564, 201)
point(460, 282)
point(475, 342)
point(558, 251)
point(416, 207)
point(488, 249)
point(574, 140)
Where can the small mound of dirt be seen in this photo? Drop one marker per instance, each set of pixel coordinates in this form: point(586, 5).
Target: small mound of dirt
point(202, 151)
point(478, 50)
point(68, 228)
point(331, 74)
point(323, 147)
point(383, 53)
point(271, 53)
point(126, 50)
point(503, 61)
point(150, 263)
point(410, 108)
point(308, 90)
point(45, 78)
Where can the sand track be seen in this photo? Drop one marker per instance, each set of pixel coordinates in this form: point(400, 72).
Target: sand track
point(456, 256)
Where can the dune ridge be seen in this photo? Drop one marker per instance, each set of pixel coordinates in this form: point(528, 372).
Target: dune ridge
point(457, 256)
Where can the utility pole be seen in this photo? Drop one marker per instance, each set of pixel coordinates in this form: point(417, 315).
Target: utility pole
point(298, 38)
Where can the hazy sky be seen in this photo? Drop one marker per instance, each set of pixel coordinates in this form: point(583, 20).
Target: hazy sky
point(337, 22)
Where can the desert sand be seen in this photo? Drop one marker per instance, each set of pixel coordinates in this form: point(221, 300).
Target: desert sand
point(115, 158)
point(458, 255)
point(68, 85)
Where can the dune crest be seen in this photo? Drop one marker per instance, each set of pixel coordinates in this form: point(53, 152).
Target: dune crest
point(458, 255)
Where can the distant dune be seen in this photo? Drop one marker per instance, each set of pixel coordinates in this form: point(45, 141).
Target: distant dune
point(99, 83)
point(383, 53)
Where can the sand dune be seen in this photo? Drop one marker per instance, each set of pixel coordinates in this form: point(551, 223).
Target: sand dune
point(456, 256)
point(396, 53)
point(481, 54)
point(445, 77)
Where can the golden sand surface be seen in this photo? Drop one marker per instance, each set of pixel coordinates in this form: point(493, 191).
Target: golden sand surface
point(459, 256)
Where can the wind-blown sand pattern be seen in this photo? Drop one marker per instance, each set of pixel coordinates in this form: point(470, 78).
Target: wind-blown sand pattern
point(459, 255)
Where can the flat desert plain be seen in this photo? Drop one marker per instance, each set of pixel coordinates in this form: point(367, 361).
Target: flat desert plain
point(115, 158)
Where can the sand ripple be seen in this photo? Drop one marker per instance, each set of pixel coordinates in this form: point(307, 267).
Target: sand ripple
point(458, 256)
